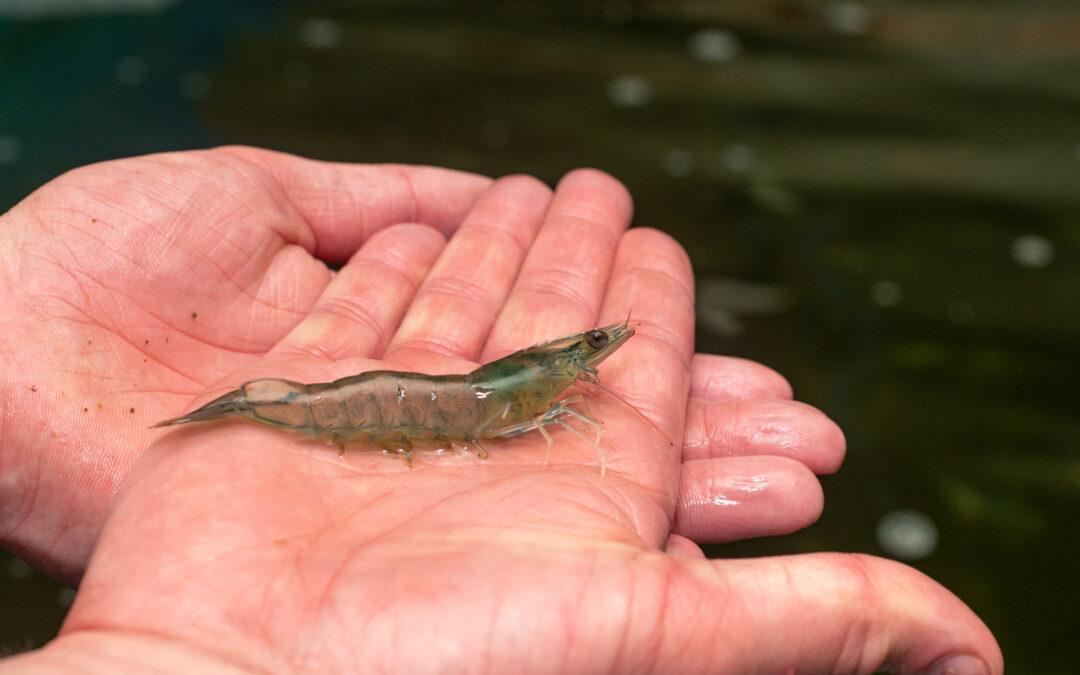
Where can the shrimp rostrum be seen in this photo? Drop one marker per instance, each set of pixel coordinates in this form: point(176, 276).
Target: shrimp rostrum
point(505, 398)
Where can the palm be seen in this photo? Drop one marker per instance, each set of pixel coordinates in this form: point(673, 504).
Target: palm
point(144, 281)
point(171, 292)
point(218, 512)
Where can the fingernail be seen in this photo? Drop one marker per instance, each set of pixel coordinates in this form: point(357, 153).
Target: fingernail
point(962, 664)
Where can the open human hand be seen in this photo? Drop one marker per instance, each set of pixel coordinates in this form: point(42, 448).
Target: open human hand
point(236, 546)
point(133, 285)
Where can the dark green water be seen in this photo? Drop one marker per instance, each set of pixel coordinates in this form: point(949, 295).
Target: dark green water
point(881, 200)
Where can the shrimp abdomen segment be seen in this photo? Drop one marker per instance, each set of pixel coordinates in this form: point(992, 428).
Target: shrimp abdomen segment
point(386, 404)
point(373, 406)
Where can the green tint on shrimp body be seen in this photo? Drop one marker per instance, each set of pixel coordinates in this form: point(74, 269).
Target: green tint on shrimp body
point(501, 399)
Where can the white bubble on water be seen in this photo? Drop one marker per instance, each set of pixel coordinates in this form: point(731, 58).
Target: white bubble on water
point(907, 534)
point(1031, 250)
point(850, 18)
point(738, 157)
point(714, 46)
point(321, 33)
point(886, 293)
point(629, 91)
point(10, 150)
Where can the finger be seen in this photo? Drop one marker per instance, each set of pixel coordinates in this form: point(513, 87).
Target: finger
point(716, 378)
point(825, 612)
point(363, 304)
point(763, 427)
point(344, 204)
point(564, 274)
point(652, 280)
point(681, 547)
point(735, 498)
point(458, 302)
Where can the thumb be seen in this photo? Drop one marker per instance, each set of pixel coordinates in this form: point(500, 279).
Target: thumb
point(818, 613)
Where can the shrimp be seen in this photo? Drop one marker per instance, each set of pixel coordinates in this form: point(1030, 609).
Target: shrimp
point(502, 399)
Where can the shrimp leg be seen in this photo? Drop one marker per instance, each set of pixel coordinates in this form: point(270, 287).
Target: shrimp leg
point(554, 415)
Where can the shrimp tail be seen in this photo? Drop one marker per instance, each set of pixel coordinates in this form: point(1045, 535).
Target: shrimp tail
point(233, 403)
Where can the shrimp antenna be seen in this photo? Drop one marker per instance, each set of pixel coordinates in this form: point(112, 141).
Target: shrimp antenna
point(636, 411)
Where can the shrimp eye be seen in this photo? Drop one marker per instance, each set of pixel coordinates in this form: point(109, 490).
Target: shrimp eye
point(596, 338)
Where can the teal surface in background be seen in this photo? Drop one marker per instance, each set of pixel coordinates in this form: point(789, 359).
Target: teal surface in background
point(881, 201)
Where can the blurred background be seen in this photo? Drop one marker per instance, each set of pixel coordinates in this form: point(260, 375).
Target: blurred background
point(881, 200)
